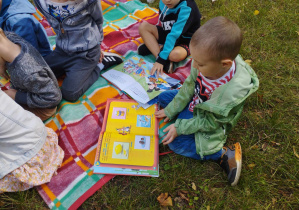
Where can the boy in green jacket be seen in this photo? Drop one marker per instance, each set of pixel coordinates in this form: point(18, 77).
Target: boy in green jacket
point(211, 99)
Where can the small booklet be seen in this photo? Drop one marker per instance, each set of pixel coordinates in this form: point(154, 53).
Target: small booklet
point(133, 77)
point(4, 83)
point(129, 141)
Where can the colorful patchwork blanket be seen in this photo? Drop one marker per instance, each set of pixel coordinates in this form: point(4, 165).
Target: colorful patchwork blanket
point(78, 124)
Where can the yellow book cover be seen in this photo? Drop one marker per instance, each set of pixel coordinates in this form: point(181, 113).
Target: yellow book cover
point(129, 140)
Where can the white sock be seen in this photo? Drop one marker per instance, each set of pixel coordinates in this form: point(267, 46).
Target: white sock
point(101, 66)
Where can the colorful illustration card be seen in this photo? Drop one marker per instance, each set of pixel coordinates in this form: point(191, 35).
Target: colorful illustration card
point(128, 143)
point(133, 76)
point(4, 84)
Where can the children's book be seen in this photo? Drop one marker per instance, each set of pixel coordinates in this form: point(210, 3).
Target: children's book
point(129, 141)
point(4, 83)
point(133, 77)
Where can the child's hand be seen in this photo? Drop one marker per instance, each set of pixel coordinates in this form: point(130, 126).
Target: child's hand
point(160, 114)
point(157, 67)
point(11, 93)
point(101, 57)
point(171, 135)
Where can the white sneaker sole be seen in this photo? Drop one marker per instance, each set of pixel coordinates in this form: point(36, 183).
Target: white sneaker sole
point(112, 54)
point(238, 156)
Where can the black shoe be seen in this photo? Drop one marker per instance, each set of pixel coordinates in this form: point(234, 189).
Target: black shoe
point(231, 162)
point(150, 90)
point(143, 50)
point(111, 59)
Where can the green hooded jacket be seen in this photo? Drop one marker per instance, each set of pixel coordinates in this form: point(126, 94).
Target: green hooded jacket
point(214, 118)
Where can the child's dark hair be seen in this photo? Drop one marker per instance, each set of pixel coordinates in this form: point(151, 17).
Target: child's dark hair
point(221, 37)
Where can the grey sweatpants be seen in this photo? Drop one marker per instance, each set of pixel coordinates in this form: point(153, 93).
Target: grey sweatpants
point(80, 68)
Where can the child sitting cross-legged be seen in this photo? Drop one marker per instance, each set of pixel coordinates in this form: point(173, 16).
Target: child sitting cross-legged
point(170, 42)
point(34, 86)
point(211, 99)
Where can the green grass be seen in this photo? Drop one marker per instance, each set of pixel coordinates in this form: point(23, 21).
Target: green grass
point(267, 130)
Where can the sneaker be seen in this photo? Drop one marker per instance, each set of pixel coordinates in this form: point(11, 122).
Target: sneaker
point(111, 59)
point(143, 50)
point(231, 162)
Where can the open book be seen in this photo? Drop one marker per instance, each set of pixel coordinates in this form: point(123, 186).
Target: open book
point(129, 140)
point(133, 77)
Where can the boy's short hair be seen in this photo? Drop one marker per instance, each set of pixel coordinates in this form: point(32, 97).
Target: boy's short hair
point(221, 37)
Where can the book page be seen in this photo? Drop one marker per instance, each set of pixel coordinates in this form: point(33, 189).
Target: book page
point(127, 149)
point(128, 118)
point(133, 76)
point(130, 135)
point(118, 78)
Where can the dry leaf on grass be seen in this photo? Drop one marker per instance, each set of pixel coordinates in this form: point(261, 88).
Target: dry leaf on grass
point(193, 186)
point(183, 195)
point(251, 165)
point(260, 97)
point(164, 200)
point(275, 144)
point(254, 146)
point(295, 153)
point(264, 146)
point(248, 62)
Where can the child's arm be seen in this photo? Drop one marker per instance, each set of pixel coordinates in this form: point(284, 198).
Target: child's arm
point(97, 16)
point(11, 93)
point(29, 33)
point(41, 91)
point(196, 124)
point(183, 97)
point(179, 27)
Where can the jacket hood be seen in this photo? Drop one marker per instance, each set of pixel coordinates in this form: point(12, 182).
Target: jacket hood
point(13, 7)
point(4, 7)
point(233, 93)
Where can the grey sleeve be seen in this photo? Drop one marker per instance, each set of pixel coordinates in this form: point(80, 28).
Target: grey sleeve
point(97, 15)
point(42, 91)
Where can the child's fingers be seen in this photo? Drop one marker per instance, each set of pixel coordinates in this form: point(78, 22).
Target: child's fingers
point(153, 70)
point(167, 140)
point(5, 75)
point(166, 119)
point(158, 72)
point(158, 114)
point(167, 129)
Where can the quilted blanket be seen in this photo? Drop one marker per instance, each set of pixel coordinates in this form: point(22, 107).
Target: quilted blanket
point(78, 124)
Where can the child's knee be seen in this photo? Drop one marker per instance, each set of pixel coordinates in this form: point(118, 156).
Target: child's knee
point(162, 96)
point(71, 95)
point(142, 27)
point(177, 55)
point(146, 27)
